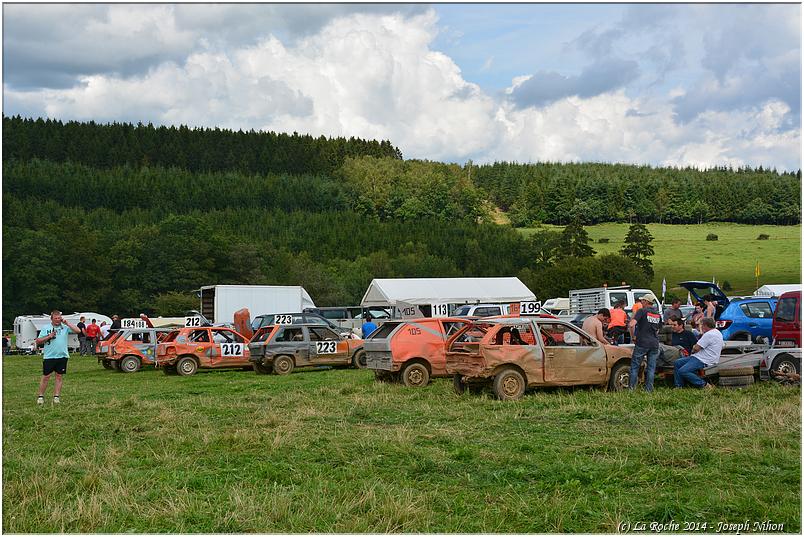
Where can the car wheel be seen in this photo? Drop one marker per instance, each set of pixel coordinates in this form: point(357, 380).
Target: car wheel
point(736, 372)
point(186, 366)
point(509, 385)
point(785, 364)
point(106, 364)
point(130, 364)
point(283, 365)
point(415, 375)
point(169, 369)
point(114, 364)
point(620, 377)
point(359, 360)
point(261, 369)
point(458, 385)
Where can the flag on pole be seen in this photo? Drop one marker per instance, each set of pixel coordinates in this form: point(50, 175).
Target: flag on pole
point(664, 288)
point(757, 271)
point(689, 299)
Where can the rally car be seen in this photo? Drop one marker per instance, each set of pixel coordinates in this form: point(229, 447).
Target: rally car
point(186, 350)
point(130, 348)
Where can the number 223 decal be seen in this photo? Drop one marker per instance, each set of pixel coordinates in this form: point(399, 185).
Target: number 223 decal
point(326, 347)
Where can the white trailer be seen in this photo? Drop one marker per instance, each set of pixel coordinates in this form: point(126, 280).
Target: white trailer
point(27, 327)
point(220, 302)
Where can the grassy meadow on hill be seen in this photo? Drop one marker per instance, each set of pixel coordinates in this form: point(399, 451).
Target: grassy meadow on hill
point(334, 451)
point(683, 253)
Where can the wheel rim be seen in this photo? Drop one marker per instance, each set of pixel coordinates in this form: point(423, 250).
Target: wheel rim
point(511, 386)
point(621, 380)
point(415, 375)
point(787, 367)
point(282, 366)
point(361, 359)
point(187, 366)
point(129, 366)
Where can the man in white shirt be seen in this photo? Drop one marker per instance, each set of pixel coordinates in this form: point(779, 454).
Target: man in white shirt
point(705, 353)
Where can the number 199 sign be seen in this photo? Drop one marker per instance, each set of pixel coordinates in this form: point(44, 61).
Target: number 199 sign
point(530, 308)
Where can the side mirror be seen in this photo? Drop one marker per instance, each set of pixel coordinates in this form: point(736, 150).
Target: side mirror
point(572, 338)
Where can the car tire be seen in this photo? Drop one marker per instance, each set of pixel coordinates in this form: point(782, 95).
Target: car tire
point(169, 369)
point(130, 364)
point(283, 365)
point(620, 377)
point(186, 366)
point(261, 369)
point(415, 375)
point(458, 385)
point(736, 372)
point(731, 382)
point(114, 365)
point(785, 363)
point(509, 385)
point(359, 360)
point(106, 364)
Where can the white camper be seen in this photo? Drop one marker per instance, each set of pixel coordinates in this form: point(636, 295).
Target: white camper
point(27, 327)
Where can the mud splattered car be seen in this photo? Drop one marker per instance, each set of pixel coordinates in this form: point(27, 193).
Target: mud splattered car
point(412, 351)
point(514, 354)
point(282, 348)
point(186, 350)
point(130, 349)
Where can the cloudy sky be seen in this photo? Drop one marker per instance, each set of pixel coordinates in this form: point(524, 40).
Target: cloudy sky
point(671, 84)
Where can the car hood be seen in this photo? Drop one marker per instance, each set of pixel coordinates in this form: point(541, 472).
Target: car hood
point(700, 289)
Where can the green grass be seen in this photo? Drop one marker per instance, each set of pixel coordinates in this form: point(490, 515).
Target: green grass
point(333, 451)
point(683, 253)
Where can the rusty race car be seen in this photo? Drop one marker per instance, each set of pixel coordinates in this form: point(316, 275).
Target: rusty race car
point(513, 354)
point(130, 349)
point(282, 348)
point(412, 351)
point(186, 350)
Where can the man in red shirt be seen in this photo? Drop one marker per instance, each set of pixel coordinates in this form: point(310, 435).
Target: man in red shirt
point(93, 332)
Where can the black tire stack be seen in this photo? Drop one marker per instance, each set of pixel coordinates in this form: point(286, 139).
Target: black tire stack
point(736, 377)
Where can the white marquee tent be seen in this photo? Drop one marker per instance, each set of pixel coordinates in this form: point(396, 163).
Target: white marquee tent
point(420, 291)
point(776, 290)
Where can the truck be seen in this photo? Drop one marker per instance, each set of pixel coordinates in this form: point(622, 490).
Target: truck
point(591, 300)
point(220, 302)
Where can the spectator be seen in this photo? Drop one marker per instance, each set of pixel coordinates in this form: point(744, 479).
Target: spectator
point(93, 332)
point(104, 330)
point(593, 325)
point(368, 326)
point(115, 325)
point(711, 306)
point(674, 311)
point(707, 353)
point(55, 355)
point(644, 329)
point(682, 338)
point(82, 336)
point(695, 318)
point(618, 322)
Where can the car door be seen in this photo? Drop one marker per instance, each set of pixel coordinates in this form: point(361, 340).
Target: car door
point(230, 347)
point(787, 321)
point(326, 346)
point(570, 355)
point(759, 316)
point(199, 343)
point(292, 341)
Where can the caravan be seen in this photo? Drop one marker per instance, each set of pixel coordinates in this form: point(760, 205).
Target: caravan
point(27, 327)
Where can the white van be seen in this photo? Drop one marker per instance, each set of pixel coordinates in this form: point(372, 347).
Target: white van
point(481, 310)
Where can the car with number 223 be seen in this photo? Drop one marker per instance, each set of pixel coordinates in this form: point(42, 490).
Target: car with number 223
point(282, 348)
point(186, 350)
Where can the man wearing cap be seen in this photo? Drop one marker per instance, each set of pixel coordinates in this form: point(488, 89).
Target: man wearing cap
point(644, 328)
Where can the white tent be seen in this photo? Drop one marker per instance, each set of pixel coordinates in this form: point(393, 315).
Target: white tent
point(420, 291)
point(776, 290)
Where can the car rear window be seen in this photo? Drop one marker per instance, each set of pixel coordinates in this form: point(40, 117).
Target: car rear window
point(263, 334)
point(786, 310)
point(383, 331)
point(757, 310)
point(463, 310)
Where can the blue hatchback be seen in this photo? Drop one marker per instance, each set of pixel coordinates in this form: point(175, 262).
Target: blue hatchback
point(739, 319)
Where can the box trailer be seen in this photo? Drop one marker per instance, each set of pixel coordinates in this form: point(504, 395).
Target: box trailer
point(27, 327)
point(591, 300)
point(220, 302)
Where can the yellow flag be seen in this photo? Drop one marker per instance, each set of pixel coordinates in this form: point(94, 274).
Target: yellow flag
point(757, 272)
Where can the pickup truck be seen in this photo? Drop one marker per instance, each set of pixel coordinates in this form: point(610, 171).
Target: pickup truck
point(512, 354)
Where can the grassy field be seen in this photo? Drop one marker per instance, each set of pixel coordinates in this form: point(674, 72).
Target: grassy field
point(333, 451)
point(683, 253)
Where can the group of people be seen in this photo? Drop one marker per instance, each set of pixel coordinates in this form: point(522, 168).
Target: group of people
point(699, 347)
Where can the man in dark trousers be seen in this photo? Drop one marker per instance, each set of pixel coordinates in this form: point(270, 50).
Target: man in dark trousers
point(645, 335)
point(82, 336)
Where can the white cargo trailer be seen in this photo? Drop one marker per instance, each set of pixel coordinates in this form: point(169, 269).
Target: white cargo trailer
point(27, 327)
point(220, 302)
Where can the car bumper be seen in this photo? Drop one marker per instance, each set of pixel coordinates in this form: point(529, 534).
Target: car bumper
point(381, 360)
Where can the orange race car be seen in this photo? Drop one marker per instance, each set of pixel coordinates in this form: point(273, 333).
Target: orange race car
point(130, 348)
point(186, 350)
point(411, 350)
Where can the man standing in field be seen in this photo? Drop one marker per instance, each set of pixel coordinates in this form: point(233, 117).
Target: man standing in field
point(93, 332)
point(707, 353)
point(593, 325)
point(82, 336)
point(645, 335)
point(617, 324)
point(55, 354)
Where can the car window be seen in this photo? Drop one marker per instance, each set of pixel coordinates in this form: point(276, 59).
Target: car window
point(757, 310)
point(263, 334)
point(319, 333)
point(383, 331)
point(517, 334)
point(171, 336)
point(199, 336)
point(334, 314)
point(226, 336)
point(617, 297)
point(451, 327)
point(786, 310)
point(487, 311)
point(313, 319)
point(553, 335)
point(287, 334)
point(463, 310)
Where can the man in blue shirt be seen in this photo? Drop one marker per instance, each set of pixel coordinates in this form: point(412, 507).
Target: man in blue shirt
point(368, 326)
point(55, 354)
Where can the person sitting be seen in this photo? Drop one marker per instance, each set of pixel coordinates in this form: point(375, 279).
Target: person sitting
point(593, 325)
point(707, 353)
point(673, 311)
point(681, 337)
point(617, 324)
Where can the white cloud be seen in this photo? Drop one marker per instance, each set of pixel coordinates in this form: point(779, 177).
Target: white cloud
point(376, 76)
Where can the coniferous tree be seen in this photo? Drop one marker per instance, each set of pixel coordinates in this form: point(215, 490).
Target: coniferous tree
point(638, 247)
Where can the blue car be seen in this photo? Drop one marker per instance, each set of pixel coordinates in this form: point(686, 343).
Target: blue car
point(740, 319)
